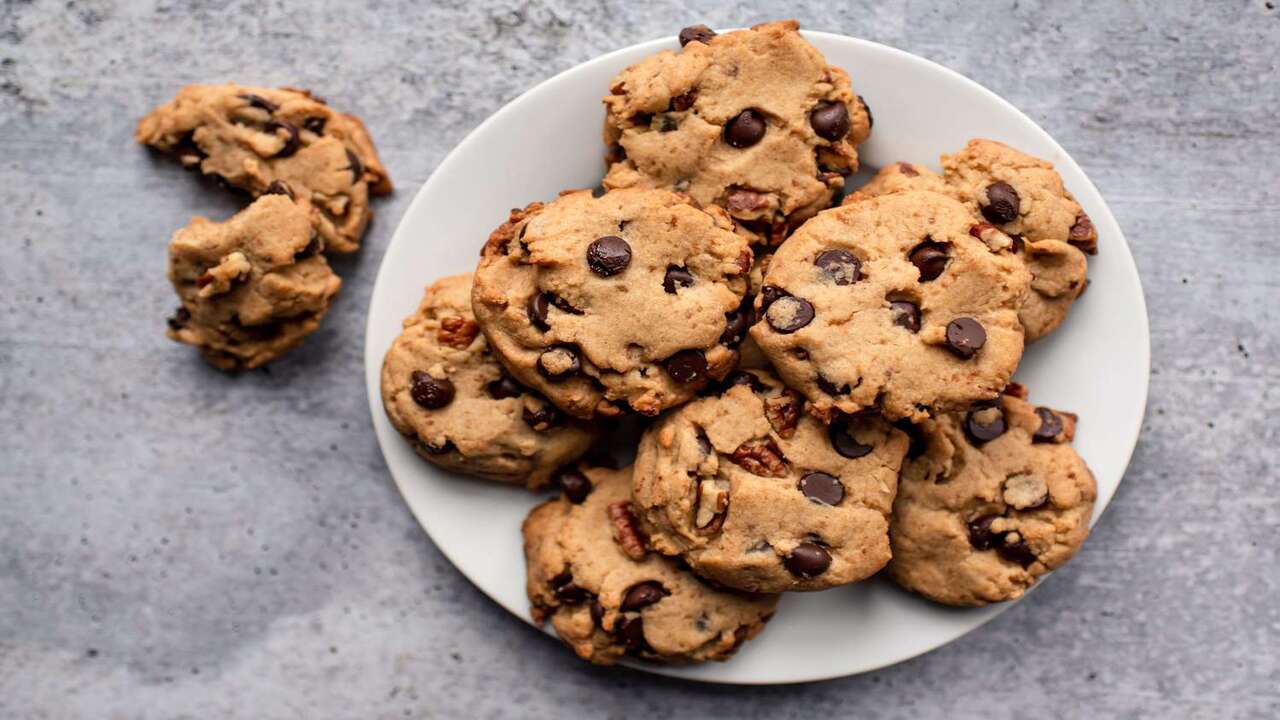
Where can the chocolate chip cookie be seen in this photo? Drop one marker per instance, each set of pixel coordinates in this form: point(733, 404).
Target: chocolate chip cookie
point(754, 121)
point(251, 287)
point(997, 499)
point(1020, 202)
point(267, 140)
point(447, 394)
point(755, 494)
point(621, 301)
point(892, 304)
point(607, 595)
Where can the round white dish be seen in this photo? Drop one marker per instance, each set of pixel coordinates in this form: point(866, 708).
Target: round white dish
point(549, 139)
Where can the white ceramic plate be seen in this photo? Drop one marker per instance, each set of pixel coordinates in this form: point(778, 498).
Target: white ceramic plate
point(548, 139)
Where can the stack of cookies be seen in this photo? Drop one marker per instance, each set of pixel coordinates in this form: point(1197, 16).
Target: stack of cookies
point(255, 286)
point(825, 386)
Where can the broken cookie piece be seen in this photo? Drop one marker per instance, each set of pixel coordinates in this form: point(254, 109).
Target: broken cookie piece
point(276, 141)
point(251, 287)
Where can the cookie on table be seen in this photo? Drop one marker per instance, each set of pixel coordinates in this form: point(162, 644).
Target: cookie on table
point(891, 304)
point(252, 287)
point(1020, 201)
point(447, 394)
point(621, 301)
point(283, 140)
point(755, 494)
point(607, 596)
point(997, 499)
point(754, 121)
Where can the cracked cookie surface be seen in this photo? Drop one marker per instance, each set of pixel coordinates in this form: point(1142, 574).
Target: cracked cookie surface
point(613, 302)
point(252, 287)
point(997, 499)
point(891, 303)
point(754, 493)
point(269, 140)
point(453, 401)
point(1031, 210)
point(754, 121)
point(608, 596)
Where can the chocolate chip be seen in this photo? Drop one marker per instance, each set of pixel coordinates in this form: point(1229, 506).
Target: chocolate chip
point(597, 614)
point(916, 444)
point(1003, 203)
point(823, 488)
point(745, 130)
point(769, 294)
point(676, 277)
point(842, 440)
point(1018, 242)
point(735, 326)
point(687, 366)
point(667, 124)
point(608, 255)
point(965, 337)
point(1016, 552)
point(830, 121)
point(631, 633)
point(907, 169)
point(291, 142)
point(566, 591)
point(984, 423)
point(314, 124)
point(832, 388)
point(696, 33)
point(871, 121)
point(429, 392)
point(575, 486)
point(1050, 426)
point(541, 419)
point(179, 319)
point(505, 387)
point(680, 103)
point(558, 363)
point(260, 102)
point(841, 266)
point(537, 309)
point(641, 119)
point(742, 377)
point(643, 595)
point(905, 314)
point(980, 535)
point(788, 314)
point(279, 187)
point(355, 166)
point(930, 258)
point(808, 560)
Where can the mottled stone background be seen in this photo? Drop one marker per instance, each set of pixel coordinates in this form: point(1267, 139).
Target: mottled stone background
point(175, 542)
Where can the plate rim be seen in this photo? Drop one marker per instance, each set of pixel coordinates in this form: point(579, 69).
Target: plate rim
point(373, 359)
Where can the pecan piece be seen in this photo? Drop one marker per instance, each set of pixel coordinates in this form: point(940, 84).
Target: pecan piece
point(760, 457)
point(742, 200)
point(712, 504)
point(1083, 235)
point(626, 530)
point(457, 332)
point(994, 238)
point(783, 412)
point(1015, 389)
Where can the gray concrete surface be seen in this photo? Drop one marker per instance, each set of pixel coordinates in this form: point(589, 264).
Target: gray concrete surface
point(177, 543)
